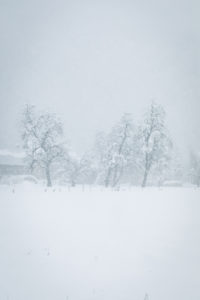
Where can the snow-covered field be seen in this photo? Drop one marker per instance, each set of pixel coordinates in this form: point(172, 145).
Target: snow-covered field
point(96, 244)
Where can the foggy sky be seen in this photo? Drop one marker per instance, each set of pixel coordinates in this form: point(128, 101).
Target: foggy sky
point(91, 61)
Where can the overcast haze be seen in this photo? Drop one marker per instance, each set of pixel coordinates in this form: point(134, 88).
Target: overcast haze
point(91, 61)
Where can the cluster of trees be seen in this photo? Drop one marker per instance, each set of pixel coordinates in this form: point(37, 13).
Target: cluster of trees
point(138, 154)
point(47, 154)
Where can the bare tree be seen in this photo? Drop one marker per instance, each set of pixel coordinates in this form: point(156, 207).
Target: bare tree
point(154, 141)
point(73, 169)
point(77, 168)
point(41, 135)
point(195, 168)
point(114, 149)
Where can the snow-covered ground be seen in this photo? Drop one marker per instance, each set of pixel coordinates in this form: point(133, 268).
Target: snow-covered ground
point(94, 244)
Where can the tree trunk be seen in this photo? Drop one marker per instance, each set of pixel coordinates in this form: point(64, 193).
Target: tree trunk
point(48, 176)
point(144, 182)
point(107, 180)
point(73, 183)
point(117, 175)
point(147, 168)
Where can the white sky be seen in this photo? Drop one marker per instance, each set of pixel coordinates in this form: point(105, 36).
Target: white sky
point(91, 61)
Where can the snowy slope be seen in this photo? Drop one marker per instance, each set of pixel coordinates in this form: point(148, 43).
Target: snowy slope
point(97, 244)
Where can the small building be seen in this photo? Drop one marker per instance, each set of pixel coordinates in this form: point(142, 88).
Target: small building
point(11, 164)
point(9, 170)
